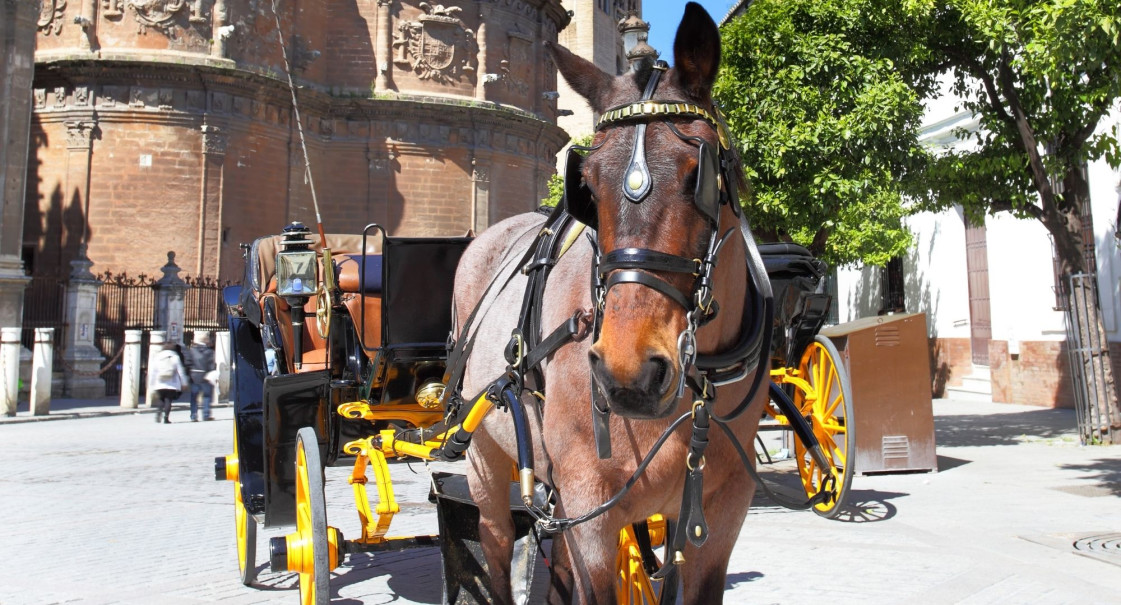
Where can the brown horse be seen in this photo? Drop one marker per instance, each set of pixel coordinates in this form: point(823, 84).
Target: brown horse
point(635, 361)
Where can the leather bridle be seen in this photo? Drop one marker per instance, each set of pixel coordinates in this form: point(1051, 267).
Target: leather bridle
point(715, 187)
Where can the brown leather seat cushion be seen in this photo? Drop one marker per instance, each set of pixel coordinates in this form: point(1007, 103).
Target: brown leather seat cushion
point(349, 272)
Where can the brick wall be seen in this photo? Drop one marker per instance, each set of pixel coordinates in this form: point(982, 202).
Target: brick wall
point(194, 147)
point(950, 359)
point(1039, 375)
point(198, 169)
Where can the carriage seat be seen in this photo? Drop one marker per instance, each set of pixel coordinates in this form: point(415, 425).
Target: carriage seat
point(783, 259)
point(261, 268)
point(346, 251)
point(348, 269)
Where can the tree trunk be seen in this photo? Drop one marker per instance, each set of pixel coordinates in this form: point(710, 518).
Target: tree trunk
point(1100, 420)
point(1100, 416)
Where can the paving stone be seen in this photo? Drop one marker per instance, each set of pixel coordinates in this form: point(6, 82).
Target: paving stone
point(111, 508)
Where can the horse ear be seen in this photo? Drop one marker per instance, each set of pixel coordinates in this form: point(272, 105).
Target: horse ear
point(696, 52)
point(582, 75)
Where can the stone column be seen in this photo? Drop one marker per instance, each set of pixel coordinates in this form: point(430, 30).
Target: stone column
point(79, 146)
point(156, 338)
point(222, 361)
point(42, 362)
point(220, 24)
point(483, 71)
point(210, 200)
point(480, 176)
point(171, 301)
point(17, 61)
point(130, 377)
point(81, 359)
point(383, 47)
point(9, 369)
point(87, 25)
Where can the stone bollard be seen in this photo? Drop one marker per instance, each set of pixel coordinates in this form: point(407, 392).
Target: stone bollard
point(155, 343)
point(9, 369)
point(222, 362)
point(42, 365)
point(130, 376)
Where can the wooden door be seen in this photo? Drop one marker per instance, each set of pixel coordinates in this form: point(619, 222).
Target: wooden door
point(977, 267)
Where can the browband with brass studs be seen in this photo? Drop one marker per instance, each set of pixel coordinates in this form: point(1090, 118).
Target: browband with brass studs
point(643, 109)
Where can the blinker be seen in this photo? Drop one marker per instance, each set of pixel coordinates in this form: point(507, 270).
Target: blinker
point(577, 196)
point(706, 196)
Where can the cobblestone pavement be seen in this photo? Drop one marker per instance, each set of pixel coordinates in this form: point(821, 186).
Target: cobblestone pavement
point(114, 509)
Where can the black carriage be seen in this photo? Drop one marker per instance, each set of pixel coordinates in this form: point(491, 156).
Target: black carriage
point(349, 372)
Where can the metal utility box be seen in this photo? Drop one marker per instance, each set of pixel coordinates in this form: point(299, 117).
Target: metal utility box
point(887, 359)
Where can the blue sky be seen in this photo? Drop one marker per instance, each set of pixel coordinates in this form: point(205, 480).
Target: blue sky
point(664, 15)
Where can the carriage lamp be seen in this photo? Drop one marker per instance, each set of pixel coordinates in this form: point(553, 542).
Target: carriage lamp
point(295, 279)
point(635, 32)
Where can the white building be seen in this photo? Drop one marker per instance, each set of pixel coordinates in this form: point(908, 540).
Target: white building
point(988, 292)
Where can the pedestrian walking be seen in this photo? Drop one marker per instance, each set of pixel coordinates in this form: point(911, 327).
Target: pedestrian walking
point(167, 378)
point(200, 362)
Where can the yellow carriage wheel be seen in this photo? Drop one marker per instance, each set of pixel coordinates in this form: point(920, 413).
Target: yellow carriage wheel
point(633, 585)
point(244, 525)
point(827, 405)
point(313, 551)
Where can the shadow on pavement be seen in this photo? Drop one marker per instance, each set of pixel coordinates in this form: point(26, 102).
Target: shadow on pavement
point(1105, 471)
point(868, 506)
point(969, 430)
point(946, 463)
point(741, 577)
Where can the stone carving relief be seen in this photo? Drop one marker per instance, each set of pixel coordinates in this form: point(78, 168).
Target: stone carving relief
point(50, 16)
point(156, 14)
point(81, 96)
point(437, 46)
point(213, 140)
point(517, 68)
point(40, 98)
point(79, 134)
point(60, 96)
point(111, 9)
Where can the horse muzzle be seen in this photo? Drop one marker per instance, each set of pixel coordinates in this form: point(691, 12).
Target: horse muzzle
point(646, 392)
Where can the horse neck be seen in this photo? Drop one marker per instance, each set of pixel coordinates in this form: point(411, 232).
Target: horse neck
point(730, 290)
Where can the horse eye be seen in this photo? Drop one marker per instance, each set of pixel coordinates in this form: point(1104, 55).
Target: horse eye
point(689, 183)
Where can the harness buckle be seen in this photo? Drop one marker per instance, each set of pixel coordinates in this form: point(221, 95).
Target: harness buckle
point(689, 463)
point(515, 350)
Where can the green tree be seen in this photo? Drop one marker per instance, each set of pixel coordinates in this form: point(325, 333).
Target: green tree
point(556, 181)
point(824, 98)
point(1040, 76)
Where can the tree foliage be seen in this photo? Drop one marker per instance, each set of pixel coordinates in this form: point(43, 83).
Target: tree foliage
point(1040, 77)
point(824, 99)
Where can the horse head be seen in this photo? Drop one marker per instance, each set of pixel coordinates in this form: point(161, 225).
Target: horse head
point(652, 190)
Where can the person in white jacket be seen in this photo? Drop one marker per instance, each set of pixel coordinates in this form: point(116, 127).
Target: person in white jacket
point(167, 378)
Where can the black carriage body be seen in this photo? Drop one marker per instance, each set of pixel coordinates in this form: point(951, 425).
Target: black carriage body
point(414, 279)
point(801, 305)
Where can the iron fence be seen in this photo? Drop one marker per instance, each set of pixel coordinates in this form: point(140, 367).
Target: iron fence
point(204, 307)
point(44, 306)
point(123, 303)
point(1088, 353)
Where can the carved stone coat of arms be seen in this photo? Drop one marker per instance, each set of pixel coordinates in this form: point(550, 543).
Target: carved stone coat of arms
point(438, 45)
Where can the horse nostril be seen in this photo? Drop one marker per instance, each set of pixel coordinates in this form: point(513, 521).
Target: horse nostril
point(656, 371)
point(596, 363)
